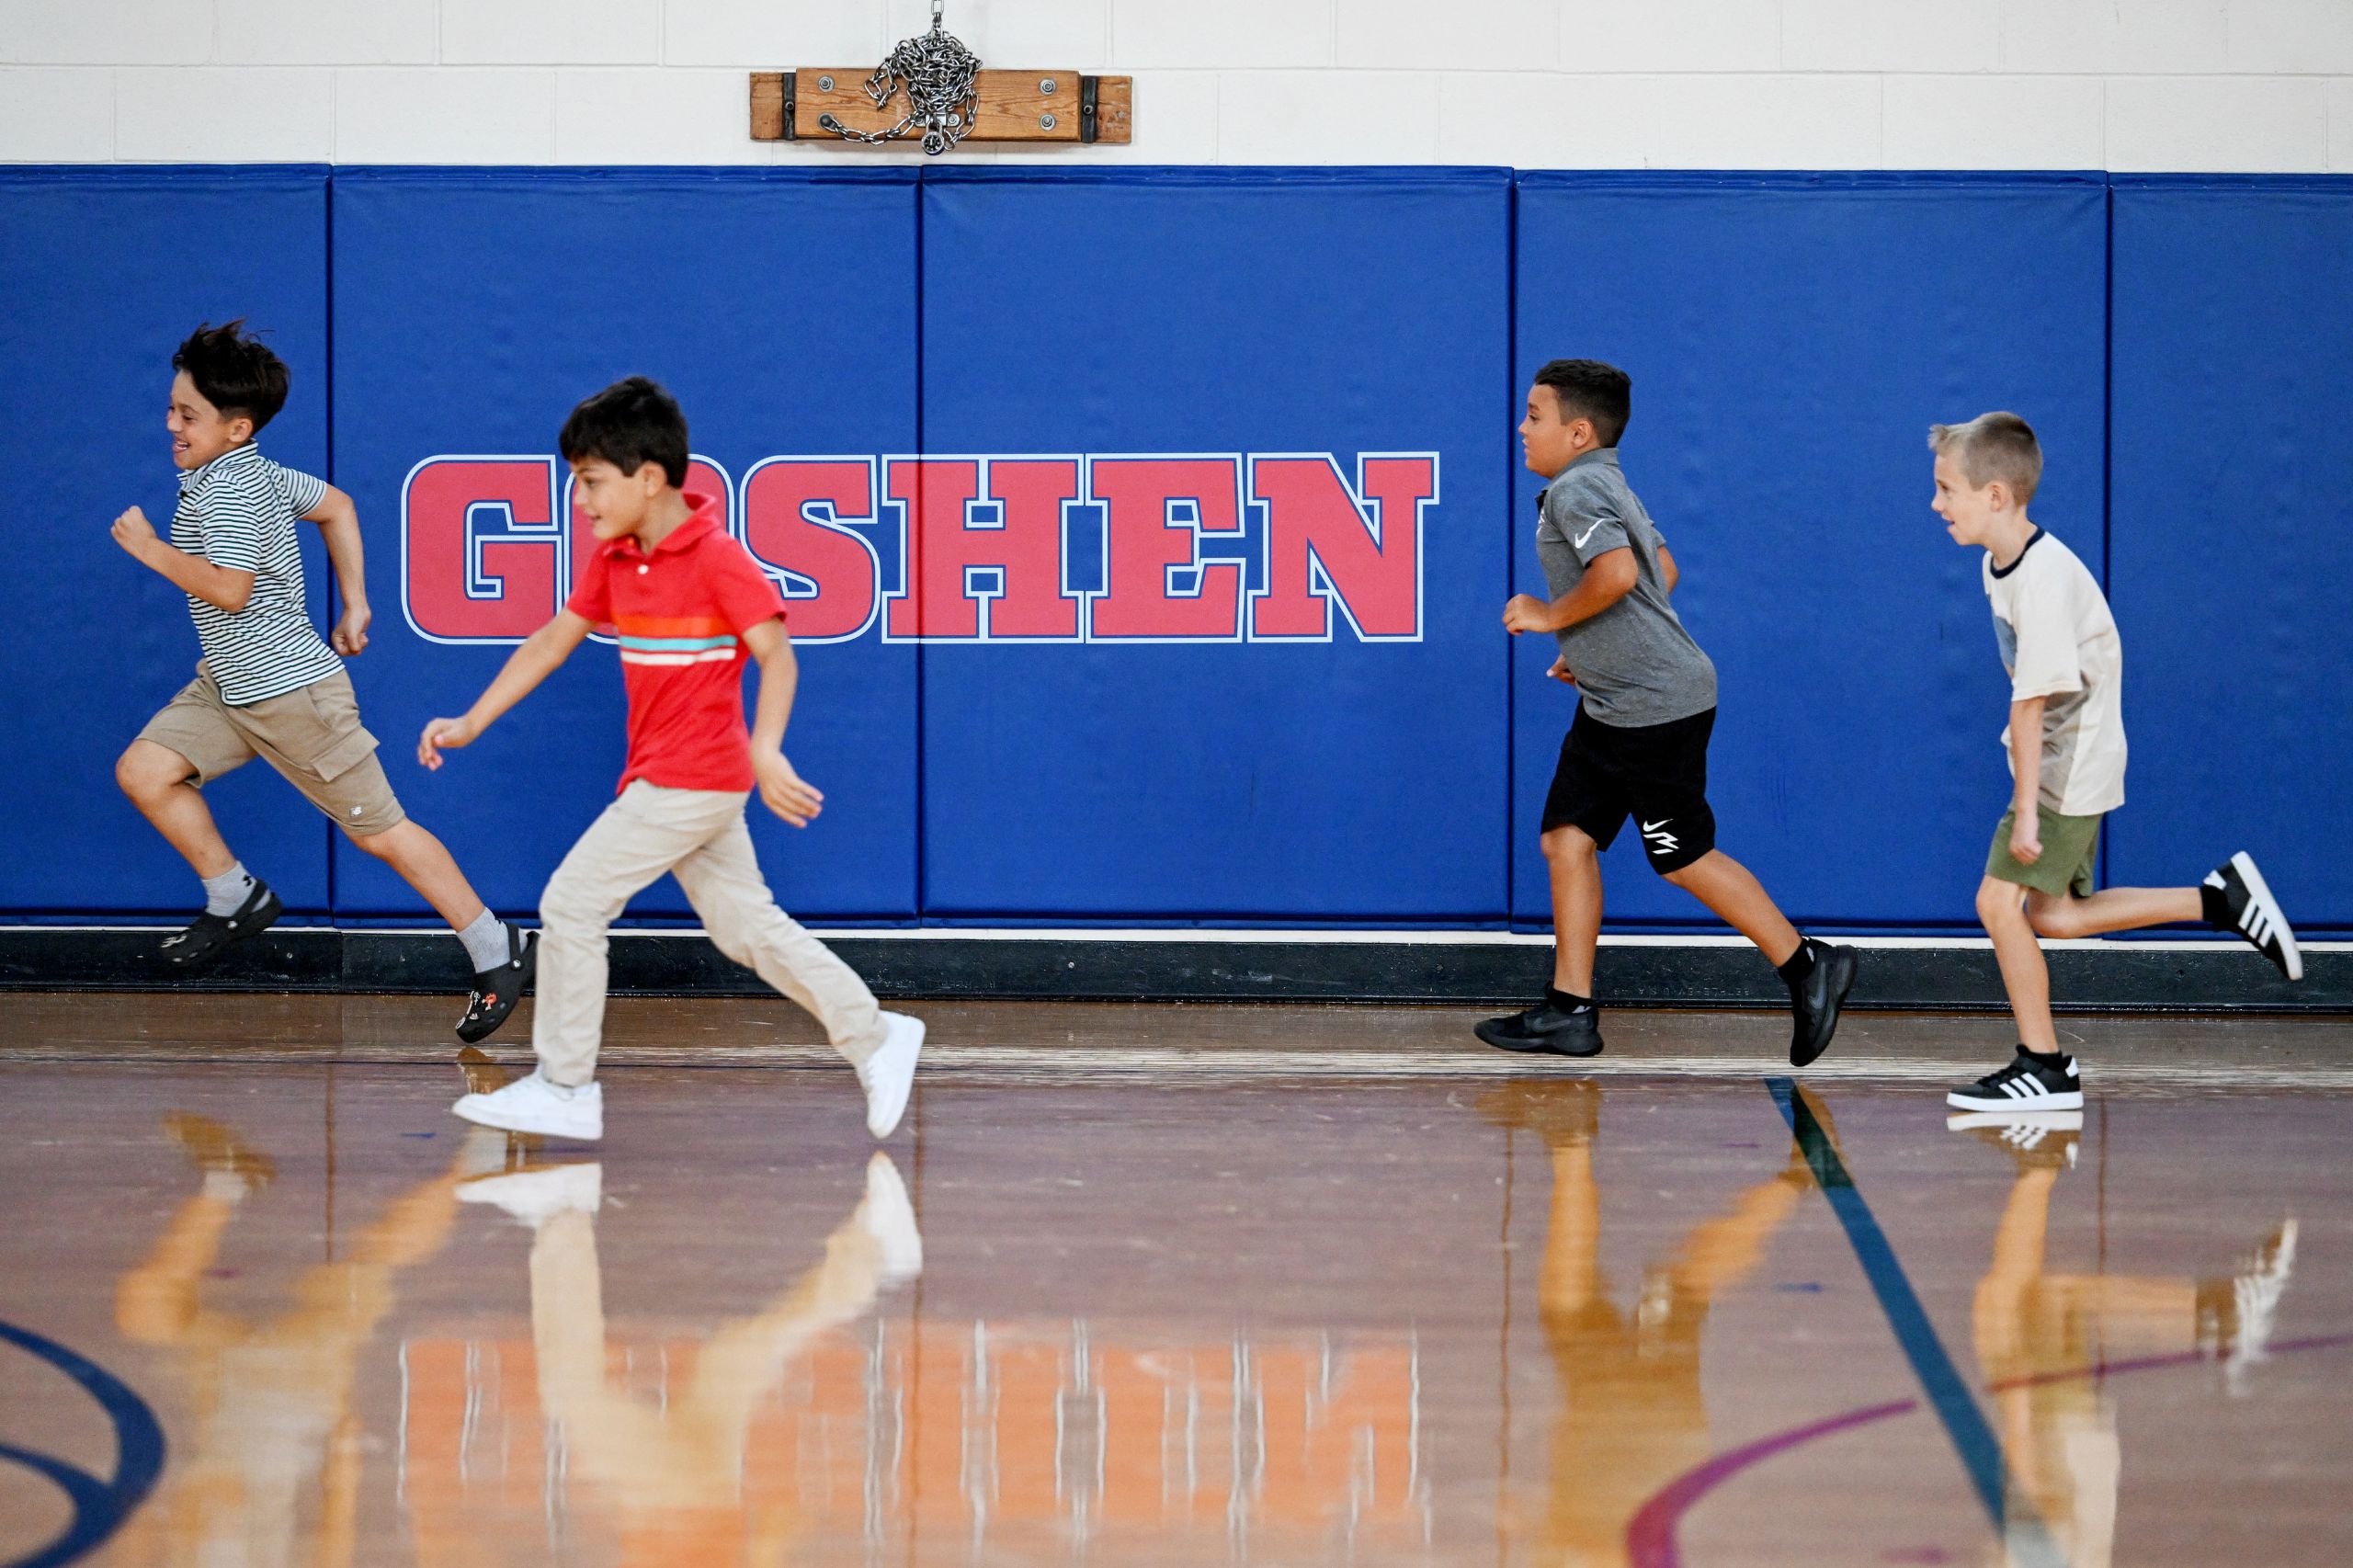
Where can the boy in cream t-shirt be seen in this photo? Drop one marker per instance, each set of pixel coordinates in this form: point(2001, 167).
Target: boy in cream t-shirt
point(2066, 745)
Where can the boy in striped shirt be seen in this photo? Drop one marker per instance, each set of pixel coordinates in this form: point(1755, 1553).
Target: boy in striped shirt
point(691, 608)
point(266, 686)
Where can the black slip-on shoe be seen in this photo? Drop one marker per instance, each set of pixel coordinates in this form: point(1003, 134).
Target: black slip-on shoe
point(212, 935)
point(1546, 1030)
point(1817, 1002)
point(497, 990)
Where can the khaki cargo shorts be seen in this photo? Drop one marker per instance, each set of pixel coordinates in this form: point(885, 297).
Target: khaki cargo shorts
point(312, 736)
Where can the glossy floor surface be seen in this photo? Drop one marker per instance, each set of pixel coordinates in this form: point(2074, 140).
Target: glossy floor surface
point(1168, 1285)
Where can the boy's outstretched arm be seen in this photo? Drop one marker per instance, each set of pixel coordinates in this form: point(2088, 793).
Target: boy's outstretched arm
point(2026, 765)
point(785, 791)
point(540, 655)
point(1607, 578)
point(222, 587)
point(338, 522)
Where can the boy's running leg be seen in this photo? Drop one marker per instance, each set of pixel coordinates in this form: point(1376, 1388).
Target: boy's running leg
point(2064, 915)
point(1819, 975)
point(640, 836)
point(1566, 1023)
point(237, 905)
point(157, 780)
point(504, 956)
point(722, 881)
point(2041, 1076)
point(1574, 867)
point(2234, 898)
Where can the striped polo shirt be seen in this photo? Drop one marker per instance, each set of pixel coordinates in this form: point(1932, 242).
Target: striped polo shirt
point(680, 611)
point(238, 511)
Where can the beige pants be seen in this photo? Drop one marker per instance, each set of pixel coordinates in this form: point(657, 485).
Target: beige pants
point(698, 836)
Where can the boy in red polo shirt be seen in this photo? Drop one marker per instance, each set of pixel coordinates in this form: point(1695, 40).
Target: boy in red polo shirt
point(688, 603)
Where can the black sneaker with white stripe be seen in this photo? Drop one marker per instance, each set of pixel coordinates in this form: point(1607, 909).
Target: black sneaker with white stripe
point(2024, 1084)
point(2238, 899)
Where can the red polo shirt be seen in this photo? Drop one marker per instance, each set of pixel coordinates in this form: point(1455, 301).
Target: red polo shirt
point(681, 611)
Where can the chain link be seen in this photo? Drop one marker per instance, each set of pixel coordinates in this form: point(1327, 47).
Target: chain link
point(939, 77)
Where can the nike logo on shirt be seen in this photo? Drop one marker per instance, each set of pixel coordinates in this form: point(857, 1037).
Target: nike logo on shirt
point(1587, 535)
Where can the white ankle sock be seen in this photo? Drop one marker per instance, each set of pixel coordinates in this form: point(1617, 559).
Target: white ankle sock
point(227, 892)
point(486, 942)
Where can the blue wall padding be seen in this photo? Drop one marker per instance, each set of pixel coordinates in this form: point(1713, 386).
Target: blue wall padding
point(2231, 541)
point(1226, 311)
point(473, 310)
point(103, 272)
point(1790, 338)
point(1207, 399)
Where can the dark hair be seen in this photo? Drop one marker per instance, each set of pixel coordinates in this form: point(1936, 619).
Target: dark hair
point(630, 424)
point(236, 373)
point(1587, 389)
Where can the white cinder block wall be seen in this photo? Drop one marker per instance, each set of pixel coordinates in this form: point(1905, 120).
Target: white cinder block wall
point(2126, 84)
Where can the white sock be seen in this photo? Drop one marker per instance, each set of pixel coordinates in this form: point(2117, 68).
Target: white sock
point(226, 894)
point(486, 942)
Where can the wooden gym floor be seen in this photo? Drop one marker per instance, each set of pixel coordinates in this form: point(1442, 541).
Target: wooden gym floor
point(1199, 1284)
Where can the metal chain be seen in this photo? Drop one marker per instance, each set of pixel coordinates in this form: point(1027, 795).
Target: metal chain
point(938, 76)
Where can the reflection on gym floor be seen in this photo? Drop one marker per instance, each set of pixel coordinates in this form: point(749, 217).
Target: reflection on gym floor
point(2038, 1331)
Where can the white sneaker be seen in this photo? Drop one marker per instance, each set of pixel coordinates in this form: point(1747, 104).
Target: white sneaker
point(534, 1195)
point(534, 1105)
point(889, 1073)
point(889, 1219)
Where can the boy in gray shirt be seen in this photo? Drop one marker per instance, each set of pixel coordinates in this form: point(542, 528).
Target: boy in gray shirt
point(1639, 744)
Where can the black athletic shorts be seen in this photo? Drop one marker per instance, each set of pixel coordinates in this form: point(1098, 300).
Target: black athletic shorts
point(1657, 773)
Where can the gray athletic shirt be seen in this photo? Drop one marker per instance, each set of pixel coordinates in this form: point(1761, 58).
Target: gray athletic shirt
point(1635, 662)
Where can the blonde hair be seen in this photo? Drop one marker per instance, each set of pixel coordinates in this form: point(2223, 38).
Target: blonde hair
point(1998, 446)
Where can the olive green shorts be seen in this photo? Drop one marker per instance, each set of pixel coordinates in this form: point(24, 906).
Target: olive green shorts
point(2070, 845)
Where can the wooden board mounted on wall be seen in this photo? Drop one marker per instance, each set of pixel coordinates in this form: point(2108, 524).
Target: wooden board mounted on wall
point(1012, 105)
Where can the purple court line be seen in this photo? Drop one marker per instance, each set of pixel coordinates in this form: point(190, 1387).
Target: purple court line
point(1650, 1538)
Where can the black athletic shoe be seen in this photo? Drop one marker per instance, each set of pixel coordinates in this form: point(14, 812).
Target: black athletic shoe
point(1547, 1030)
point(2024, 1084)
point(497, 990)
point(2249, 909)
point(1815, 1003)
point(212, 935)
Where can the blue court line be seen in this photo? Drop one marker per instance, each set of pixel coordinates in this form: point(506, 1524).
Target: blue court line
point(1949, 1396)
point(99, 1506)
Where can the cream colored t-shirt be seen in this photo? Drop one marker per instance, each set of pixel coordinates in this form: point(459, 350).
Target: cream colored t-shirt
point(2058, 642)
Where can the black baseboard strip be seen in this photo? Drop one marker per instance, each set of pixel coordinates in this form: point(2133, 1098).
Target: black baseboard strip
point(2151, 978)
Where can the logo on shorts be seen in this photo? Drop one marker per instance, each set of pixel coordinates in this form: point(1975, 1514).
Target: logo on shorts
point(1662, 842)
point(1087, 548)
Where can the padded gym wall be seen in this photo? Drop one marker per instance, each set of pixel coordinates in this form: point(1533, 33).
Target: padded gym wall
point(2231, 540)
point(103, 272)
point(1790, 338)
point(1271, 717)
point(473, 308)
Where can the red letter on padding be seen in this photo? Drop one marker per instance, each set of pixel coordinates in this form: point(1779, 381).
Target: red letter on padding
point(779, 532)
point(1313, 521)
point(1142, 545)
point(479, 548)
point(1025, 550)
